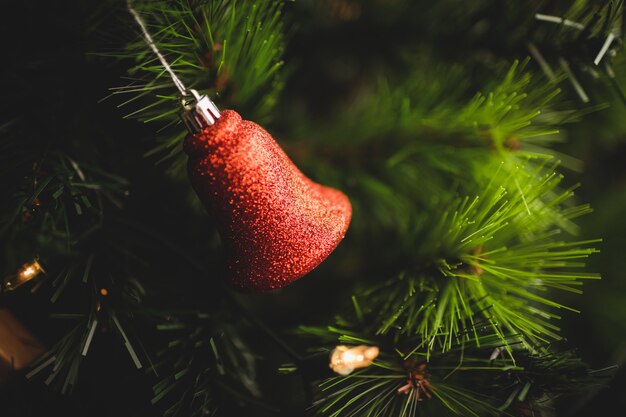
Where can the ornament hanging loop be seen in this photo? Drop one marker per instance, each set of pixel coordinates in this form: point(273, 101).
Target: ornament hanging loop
point(198, 110)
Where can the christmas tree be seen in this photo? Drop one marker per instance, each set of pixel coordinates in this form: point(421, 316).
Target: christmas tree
point(334, 208)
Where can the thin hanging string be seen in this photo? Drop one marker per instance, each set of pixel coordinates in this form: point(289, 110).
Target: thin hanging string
point(177, 82)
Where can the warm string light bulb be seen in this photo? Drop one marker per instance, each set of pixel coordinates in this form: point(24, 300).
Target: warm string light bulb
point(345, 359)
point(27, 272)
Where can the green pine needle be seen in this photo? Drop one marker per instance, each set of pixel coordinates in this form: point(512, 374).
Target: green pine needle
point(498, 383)
point(493, 259)
point(203, 351)
point(228, 49)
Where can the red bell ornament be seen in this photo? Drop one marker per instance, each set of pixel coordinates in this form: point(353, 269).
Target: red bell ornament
point(276, 223)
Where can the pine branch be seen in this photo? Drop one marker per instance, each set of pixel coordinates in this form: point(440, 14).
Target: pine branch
point(582, 39)
point(204, 355)
point(57, 204)
point(228, 49)
point(413, 382)
point(491, 258)
point(410, 132)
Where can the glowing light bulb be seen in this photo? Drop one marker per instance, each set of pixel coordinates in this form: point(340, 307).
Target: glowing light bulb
point(27, 272)
point(345, 359)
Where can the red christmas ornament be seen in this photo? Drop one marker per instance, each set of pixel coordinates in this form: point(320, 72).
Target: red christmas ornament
point(276, 223)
